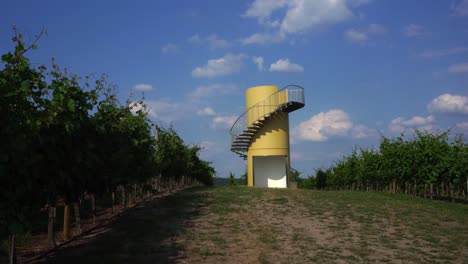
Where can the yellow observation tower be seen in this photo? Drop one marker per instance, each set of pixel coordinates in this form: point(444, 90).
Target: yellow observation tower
point(261, 134)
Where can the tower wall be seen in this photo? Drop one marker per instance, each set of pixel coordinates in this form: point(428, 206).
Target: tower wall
point(272, 139)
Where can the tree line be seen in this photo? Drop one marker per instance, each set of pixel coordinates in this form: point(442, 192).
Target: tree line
point(427, 165)
point(63, 137)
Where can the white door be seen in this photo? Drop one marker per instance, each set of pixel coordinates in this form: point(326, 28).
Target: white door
point(270, 171)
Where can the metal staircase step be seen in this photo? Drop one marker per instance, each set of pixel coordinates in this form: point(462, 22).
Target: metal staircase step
point(242, 134)
point(240, 139)
point(240, 146)
point(237, 145)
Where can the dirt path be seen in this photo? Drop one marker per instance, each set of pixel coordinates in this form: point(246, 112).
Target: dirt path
point(143, 234)
point(241, 225)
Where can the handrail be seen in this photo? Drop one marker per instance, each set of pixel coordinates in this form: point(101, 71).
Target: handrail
point(288, 94)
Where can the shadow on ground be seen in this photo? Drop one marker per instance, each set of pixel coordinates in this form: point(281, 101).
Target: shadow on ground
point(144, 234)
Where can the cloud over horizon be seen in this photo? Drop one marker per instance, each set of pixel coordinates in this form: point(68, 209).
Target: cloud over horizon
point(401, 124)
point(325, 125)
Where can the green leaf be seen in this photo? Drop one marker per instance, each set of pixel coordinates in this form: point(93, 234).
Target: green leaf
point(7, 57)
point(71, 105)
point(25, 86)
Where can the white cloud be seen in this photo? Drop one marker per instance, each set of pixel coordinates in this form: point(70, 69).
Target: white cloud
point(262, 9)
point(223, 122)
point(412, 30)
point(226, 65)
point(213, 90)
point(169, 48)
point(259, 61)
point(283, 65)
point(443, 53)
point(143, 87)
point(362, 35)
point(323, 125)
point(328, 124)
point(212, 40)
point(400, 124)
point(361, 131)
point(460, 8)
point(458, 68)
point(298, 16)
point(207, 111)
point(303, 15)
point(261, 38)
point(448, 103)
point(414, 121)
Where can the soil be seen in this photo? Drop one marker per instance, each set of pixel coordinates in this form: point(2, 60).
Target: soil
point(242, 225)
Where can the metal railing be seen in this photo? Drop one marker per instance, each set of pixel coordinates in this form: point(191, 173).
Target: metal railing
point(287, 95)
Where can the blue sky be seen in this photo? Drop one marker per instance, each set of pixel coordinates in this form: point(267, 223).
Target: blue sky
point(367, 66)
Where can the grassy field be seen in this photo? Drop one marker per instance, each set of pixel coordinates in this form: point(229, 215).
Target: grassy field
point(245, 225)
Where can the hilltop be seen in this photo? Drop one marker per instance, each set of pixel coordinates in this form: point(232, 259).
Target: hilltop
point(253, 225)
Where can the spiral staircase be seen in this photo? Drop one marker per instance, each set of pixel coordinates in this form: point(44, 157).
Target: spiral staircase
point(286, 100)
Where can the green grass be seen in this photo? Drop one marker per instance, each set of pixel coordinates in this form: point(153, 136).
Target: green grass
point(281, 200)
point(407, 228)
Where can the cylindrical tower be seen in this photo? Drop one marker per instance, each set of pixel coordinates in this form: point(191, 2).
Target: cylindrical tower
point(268, 154)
